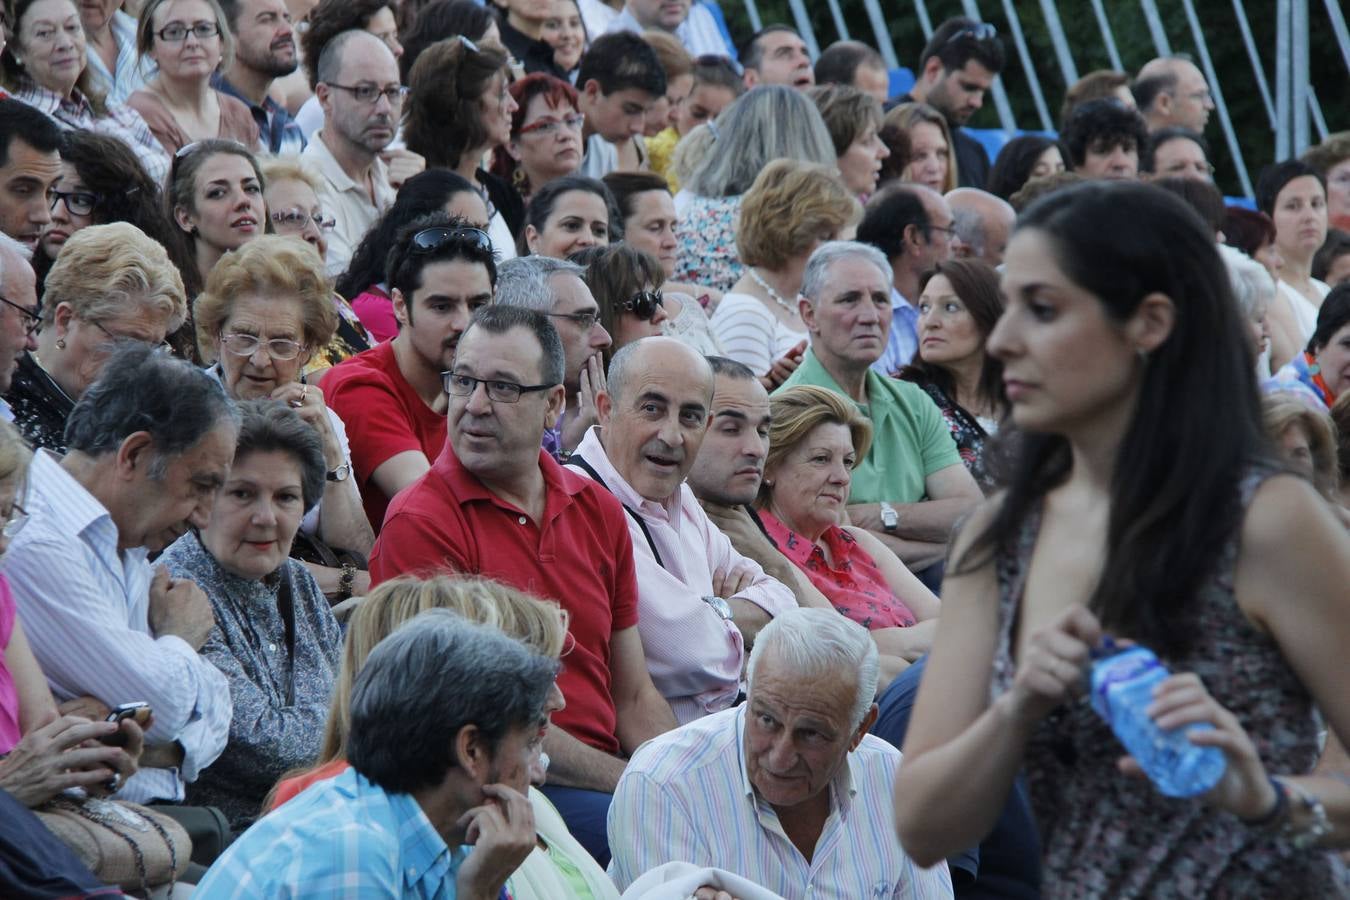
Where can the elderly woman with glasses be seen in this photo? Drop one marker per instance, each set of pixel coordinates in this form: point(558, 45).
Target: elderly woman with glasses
point(266, 310)
point(110, 282)
point(188, 41)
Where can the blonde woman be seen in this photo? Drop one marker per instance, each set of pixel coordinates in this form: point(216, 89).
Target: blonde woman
point(931, 160)
point(558, 861)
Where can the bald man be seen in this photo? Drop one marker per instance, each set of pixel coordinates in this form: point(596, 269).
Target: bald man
point(700, 602)
point(18, 313)
point(1172, 93)
point(983, 223)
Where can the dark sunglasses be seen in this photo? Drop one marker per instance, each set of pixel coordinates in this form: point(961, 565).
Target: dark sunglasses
point(429, 240)
point(980, 31)
point(643, 304)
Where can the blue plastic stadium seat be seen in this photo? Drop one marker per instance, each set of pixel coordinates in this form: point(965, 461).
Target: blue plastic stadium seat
point(902, 80)
point(992, 139)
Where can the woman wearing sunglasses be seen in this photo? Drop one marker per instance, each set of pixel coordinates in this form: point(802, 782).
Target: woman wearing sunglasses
point(626, 284)
point(188, 41)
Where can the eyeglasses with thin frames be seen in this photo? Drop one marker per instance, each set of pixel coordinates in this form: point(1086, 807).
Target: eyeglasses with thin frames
point(248, 344)
point(498, 391)
point(370, 94)
point(163, 345)
point(177, 32)
point(584, 320)
point(296, 219)
point(32, 318)
point(550, 126)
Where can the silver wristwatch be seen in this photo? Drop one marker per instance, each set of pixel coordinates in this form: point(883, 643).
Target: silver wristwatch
point(890, 519)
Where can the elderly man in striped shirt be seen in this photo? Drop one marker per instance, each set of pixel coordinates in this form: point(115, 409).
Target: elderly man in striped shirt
point(787, 790)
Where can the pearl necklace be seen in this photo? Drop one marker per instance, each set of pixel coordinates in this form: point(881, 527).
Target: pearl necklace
point(773, 295)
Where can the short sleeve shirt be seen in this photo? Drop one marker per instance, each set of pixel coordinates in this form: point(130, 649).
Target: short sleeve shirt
point(910, 439)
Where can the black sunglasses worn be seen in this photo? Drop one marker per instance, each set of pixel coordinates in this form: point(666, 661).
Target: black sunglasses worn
point(643, 304)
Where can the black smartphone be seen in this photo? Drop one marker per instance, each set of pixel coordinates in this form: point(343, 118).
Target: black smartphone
point(138, 711)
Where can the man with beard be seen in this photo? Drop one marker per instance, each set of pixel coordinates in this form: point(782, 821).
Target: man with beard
point(391, 397)
point(700, 602)
point(957, 68)
point(264, 51)
point(362, 101)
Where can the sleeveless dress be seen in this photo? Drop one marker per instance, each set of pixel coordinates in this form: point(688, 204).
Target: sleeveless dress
point(1106, 835)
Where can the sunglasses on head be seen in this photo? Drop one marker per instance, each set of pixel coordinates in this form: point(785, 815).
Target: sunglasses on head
point(431, 239)
point(643, 304)
point(980, 31)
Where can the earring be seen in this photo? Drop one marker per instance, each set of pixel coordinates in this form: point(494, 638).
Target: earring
point(60, 343)
point(768, 482)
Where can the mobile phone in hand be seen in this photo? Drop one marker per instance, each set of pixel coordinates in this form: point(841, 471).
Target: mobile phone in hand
point(139, 711)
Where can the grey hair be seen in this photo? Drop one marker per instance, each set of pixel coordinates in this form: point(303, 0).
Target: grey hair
point(617, 376)
point(523, 281)
point(816, 277)
point(271, 425)
point(431, 678)
point(821, 643)
point(767, 123)
point(1252, 284)
point(969, 227)
point(142, 388)
point(23, 251)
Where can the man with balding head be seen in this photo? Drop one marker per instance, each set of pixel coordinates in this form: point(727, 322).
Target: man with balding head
point(700, 603)
point(983, 223)
point(1172, 93)
point(18, 313)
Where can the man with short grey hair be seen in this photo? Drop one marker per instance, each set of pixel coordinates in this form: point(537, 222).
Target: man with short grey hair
point(446, 718)
point(983, 224)
point(150, 443)
point(912, 487)
point(788, 790)
point(555, 288)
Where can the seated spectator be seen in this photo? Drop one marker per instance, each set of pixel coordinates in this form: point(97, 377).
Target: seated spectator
point(433, 191)
point(982, 224)
point(931, 163)
point(328, 20)
point(439, 21)
point(700, 603)
point(913, 462)
point(47, 80)
point(1331, 263)
point(265, 310)
point(853, 119)
point(292, 199)
point(520, 24)
point(1104, 140)
point(101, 182)
point(215, 197)
point(777, 771)
point(1304, 437)
point(458, 111)
point(679, 68)
point(567, 215)
point(855, 64)
point(556, 288)
point(626, 284)
point(1295, 198)
point(275, 639)
point(557, 858)
point(184, 43)
point(150, 443)
point(776, 54)
point(959, 305)
point(1331, 160)
point(789, 210)
point(1340, 417)
point(29, 153)
point(619, 80)
point(464, 516)
point(763, 125)
point(1254, 291)
point(1037, 188)
point(1171, 92)
point(110, 34)
point(1324, 365)
point(1176, 152)
point(1200, 195)
point(265, 57)
point(446, 718)
point(545, 135)
point(717, 82)
point(1100, 84)
point(392, 397)
point(111, 282)
point(565, 32)
point(691, 22)
point(19, 317)
point(647, 214)
point(1252, 232)
point(1022, 159)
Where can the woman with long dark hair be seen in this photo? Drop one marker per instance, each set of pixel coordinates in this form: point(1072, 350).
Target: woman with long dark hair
point(1144, 504)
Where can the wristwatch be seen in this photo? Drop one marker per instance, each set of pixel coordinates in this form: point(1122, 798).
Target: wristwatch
point(341, 473)
point(346, 582)
point(890, 519)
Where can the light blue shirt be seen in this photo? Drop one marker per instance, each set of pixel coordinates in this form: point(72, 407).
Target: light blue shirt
point(698, 32)
point(130, 74)
point(342, 837)
point(903, 342)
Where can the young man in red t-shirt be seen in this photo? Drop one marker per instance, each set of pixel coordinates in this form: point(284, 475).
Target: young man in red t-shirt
point(390, 397)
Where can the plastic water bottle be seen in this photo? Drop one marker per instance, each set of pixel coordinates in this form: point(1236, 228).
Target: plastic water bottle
point(1122, 691)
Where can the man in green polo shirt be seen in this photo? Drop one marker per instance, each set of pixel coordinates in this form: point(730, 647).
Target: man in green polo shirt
point(911, 487)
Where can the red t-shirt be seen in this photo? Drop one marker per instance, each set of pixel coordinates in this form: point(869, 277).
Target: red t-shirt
point(384, 417)
point(582, 559)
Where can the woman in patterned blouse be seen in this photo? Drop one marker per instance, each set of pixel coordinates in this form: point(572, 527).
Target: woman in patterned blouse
point(275, 638)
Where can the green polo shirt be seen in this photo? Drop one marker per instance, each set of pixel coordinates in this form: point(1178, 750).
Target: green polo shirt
point(910, 439)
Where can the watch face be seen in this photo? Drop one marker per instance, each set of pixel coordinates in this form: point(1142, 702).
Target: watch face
point(340, 473)
point(723, 607)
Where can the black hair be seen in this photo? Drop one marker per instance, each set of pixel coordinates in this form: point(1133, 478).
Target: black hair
point(1146, 90)
point(620, 61)
point(1274, 177)
point(439, 21)
point(730, 368)
point(1149, 150)
point(1196, 427)
point(1100, 124)
point(35, 128)
point(406, 261)
point(955, 43)
point(1016, 161)
point(330, 19)
point(1331, 318)
point(1333, 248)
point(1201, 196)
point(546, 198)
point(499, 318)
point(271, 425)
point(624, 187)
point(886, 217)
point(752, 54)
point(839, 62)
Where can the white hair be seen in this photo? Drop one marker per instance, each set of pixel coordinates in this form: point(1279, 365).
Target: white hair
point(821, 643)
point(9, 245)
point(1252, 285)
point(523, 281)
point(817, 274)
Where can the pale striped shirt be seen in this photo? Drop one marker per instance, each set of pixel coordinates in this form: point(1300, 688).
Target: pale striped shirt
point(750, 333)
point(85, 608)
point(130, 73)
point(118, 120)
point(686, 796)
point(698, 32)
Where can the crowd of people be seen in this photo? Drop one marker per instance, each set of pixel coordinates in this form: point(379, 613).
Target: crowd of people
point(537, 450)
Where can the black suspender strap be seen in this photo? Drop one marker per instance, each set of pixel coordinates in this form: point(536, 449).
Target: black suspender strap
point(577, 460)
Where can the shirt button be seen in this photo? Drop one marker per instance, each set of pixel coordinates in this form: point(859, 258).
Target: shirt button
point(521, 520)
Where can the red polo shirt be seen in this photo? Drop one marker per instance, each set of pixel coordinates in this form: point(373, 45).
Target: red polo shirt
point(384, 417)
point(580, 556)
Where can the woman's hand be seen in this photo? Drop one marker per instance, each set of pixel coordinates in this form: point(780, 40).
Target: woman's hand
point(1181, 700)
point(783, 367)
point(1053, 665)
point(307, 401)
point(67, 752)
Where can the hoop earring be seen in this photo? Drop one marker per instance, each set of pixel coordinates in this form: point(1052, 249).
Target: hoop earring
point(60, 343)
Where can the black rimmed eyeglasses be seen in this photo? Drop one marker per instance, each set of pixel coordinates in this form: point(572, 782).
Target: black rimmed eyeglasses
point(80, 203)
point(371, 93)
point(497, 390)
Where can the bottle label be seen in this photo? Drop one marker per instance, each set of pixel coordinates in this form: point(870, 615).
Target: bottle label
point(1124, 667)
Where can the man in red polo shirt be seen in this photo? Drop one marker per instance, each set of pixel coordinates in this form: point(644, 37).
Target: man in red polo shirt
point(495, 504)
point(390, 397)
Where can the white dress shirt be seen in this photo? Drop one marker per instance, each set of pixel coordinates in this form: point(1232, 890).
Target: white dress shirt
point(85, 605)
point(347, 200)
point(686, 795)
point(698, 32)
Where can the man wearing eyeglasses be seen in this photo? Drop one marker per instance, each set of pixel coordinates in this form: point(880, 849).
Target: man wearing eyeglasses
point(495, 504)
point(18, 313)
point(1172, 93)
point(957, 68)
point(362, 101)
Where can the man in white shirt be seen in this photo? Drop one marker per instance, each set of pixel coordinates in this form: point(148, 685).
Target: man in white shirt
point(150, 443)
point(362, 100)
point(700, 602)
point(691, 22)
point(787, 790)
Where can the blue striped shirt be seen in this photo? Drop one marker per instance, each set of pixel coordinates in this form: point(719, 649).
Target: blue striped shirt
point(130, 73)
point(686, 796)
